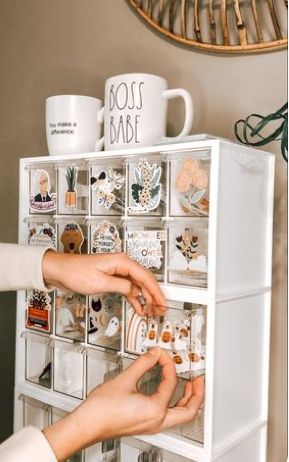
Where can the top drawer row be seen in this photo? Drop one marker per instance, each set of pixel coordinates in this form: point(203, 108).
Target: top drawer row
point(152, 185)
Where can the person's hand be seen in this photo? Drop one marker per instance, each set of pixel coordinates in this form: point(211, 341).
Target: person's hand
point(117, 408)
point(103, 273)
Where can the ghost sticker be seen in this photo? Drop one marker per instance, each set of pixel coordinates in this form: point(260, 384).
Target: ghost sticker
point(42, 200)
point(152, 334)
point(166, 336)
point(113, 327)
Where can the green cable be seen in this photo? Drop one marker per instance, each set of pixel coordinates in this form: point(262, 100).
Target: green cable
point(248, 130)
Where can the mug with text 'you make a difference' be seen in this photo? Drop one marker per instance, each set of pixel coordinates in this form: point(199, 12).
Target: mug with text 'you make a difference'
point(72, 124)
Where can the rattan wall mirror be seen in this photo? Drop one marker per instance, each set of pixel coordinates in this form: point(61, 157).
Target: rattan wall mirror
point(227, 26)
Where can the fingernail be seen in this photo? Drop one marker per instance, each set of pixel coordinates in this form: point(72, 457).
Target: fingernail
point(155, 351)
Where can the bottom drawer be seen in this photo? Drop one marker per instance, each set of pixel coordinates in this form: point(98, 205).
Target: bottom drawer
point(133, 450)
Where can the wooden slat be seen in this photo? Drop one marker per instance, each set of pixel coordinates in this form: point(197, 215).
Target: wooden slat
point(149, 8)
point(161, 12)
point(274, 20)
point(197, 22)
point(212, 21)
point(172, 15)
point(257, 23)
point(240, 24)
point(224, 22)
point(184, 18)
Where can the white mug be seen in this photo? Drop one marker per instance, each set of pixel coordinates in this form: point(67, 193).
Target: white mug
point(72, 125)
point(135, 111)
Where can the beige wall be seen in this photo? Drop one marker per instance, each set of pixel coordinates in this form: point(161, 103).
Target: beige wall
point(72, 46)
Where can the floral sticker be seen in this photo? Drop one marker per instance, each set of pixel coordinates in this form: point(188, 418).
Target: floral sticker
point(106, 185)
point(188, 244)
point(146, 190)
point(41, 234)
point(105, 238)
point(191, 184)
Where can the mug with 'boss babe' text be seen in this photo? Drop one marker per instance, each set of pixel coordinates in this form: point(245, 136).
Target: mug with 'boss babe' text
point(135, 111)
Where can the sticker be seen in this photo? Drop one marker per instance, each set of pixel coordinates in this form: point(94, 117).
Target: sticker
point(187, 254)
point(146, 247)
point(146, 190)
point(104, 320)
point(71, 176)
point(191, 184)
point(166, 336)
point(42, 200)
point(181, 361)
point(180, 342)
point(72, 238)
point(152, 334)
point(105, 238)
point(105, 184)
point(38, 310)
point(136, 332)
point(41, 235)
point(70, 314)
point(113, 327)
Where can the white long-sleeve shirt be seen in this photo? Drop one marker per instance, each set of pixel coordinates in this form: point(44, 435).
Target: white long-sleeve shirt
point(21, 268)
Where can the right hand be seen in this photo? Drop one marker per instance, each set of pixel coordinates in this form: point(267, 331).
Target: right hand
point(117, 408)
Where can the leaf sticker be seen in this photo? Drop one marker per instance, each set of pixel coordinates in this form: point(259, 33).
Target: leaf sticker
point(197, 196)
point(135, 191)
point(155, 191)
point(156, 176)
point(137, 176)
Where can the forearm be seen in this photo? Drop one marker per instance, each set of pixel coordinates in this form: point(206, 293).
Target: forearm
point(73, 433)
point(21, 267)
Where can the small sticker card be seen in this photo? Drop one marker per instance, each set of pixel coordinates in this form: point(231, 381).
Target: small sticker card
point(105, 238)
point(72, 238)
point(188, 248)
point(38, 312)
point(145, 189)
point(42, 234)
point(70, 312)
point(104, 322)
point(135, 331)
point(42, 199)
point(147, 247)
point(73, 190)
point(189, 186)
point(107, 190)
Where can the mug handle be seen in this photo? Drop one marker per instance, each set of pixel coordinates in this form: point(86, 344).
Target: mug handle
point(174, 93)
point(100, 143)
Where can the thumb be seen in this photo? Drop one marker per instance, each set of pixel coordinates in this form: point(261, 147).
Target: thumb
point(142, 365)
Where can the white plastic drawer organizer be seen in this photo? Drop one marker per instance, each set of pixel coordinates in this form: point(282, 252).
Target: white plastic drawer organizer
point(199, 216)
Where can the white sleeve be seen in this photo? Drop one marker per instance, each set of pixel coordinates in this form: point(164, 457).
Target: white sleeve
point(28, 445)
point(21, 267)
